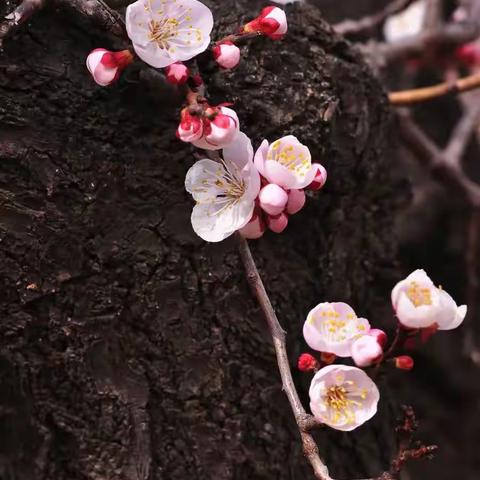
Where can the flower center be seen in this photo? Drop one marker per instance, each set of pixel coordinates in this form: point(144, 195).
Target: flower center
point(338, 399)
point(162, 31)
point(419, 296)
point(295, 162)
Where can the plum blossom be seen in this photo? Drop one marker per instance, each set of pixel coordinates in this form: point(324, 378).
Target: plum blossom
point(277, 223)
point(177, 73)
point(319, 179)
point(271, 22)
point(418, 303)
point(166, 31)
point(224, 191)
point(366, 350)
point(190, 128)
point(219, 132)
point(105, 66)
point(226, 54)
point(333, 327)
point(285, 162)
point(343, 397)
point(273, 199)
point(407, 23)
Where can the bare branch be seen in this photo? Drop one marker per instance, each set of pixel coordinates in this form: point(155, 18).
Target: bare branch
point(418, 95)
point(367, 24)
point(18, 17)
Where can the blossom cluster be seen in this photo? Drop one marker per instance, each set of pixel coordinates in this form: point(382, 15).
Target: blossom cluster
point(344, 397)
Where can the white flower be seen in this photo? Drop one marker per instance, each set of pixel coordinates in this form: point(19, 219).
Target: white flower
point(333, 327)
point(343, 397)
point(285, 162)
point(225, 192)
point(166, 31)
point(418, 303)
point(407, 23)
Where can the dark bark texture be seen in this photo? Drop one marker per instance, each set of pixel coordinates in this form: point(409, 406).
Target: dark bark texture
point(129, 348)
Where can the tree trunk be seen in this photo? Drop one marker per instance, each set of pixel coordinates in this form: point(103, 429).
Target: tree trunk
point(131, 349)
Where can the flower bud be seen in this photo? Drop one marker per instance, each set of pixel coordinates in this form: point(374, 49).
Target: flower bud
point(468, 54)
point(220, 131)
point(177, 73)
point(226, 54)
point(273, 199)
point(404, 362)
point(307, 363)
point(255, 228)
point(277, 223)
point(328, 358)
point(190, 128)
point(296, 201)
point(271, 22)
point(320, 177)
point(105, 66)
point(366, 350)
point(379, 335)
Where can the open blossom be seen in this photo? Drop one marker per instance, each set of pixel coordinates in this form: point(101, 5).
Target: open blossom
point(219, 132)
point(418, 303)
point(333, 327)
point(226, 54)
point(343, 397)
point(271, 22)
point(285, 162)
point(105, 66)
point(177, 73)
point(225, 192)
point(407, 23)
point(166, 31)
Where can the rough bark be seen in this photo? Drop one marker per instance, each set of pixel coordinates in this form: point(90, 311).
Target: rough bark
point(130, 349)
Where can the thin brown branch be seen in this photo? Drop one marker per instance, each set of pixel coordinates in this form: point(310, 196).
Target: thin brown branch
point(99, 12)
point(18, 17)
point(418, 95)
point(368, 24)
point(447, 172)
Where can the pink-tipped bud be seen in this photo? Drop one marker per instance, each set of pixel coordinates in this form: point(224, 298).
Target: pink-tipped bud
point(379, 335)
point(190, 128)
point(468, 54)
point(404, 362)
point(307, 363)
point(320, 177)
point(277, 223)
point(177, 73)
point(296, 201)
point(366, 351)
point(106, 67)
point(255, 228)
point(272, 22)
point(226, 54)
point(272, 199)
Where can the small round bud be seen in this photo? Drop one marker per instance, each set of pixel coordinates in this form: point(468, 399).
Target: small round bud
point(328, 358)
point(320, 177)
point(379, 335)
point(307, 363)
point(255, 228)
point(106, 67)
point(226, 54)
point(404, 362)
point(273, 199)
point(177, 73)
point(366, 351)
point(296, 201)
point(277, 223)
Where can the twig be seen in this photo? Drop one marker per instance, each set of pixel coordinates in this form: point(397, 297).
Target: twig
point(19, 16)
point(278, 336)
point(367, 24)
point(418, 95)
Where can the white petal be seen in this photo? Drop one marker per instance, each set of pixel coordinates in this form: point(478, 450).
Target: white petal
point(261, 156)
point(240, 151)
point(200, 180)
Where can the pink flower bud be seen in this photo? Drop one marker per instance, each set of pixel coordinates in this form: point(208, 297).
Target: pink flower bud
point(273, 199)
point(296, 201)
point(220, 131)
point(177, 73)
point(255, 228)
point(226, 54)
point(328, 358)
point(307, 363)
point(277, 223)
point(379, 335)
point(468, 54)
point(105, 66)
point(320, 177)
point(190, 128)
point(404, 362)
point(365, 351)
point(271, 22)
